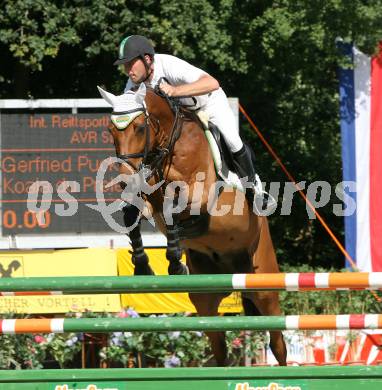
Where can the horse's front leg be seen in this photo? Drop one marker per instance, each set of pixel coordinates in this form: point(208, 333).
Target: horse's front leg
point(174, 251)
point(139, 256)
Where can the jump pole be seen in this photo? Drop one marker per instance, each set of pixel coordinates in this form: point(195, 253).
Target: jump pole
point(189, 283)
point(165, 324)
point(233, 378)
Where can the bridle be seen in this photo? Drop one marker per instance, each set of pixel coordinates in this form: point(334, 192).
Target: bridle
point(126, 157)
point(152, 160)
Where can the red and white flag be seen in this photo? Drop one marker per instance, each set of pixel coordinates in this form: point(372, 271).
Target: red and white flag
point(361, 133)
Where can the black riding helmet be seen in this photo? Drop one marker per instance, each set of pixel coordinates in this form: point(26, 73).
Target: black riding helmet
point(132, 47)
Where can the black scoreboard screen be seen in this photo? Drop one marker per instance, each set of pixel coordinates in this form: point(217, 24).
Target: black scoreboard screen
point(64, 152)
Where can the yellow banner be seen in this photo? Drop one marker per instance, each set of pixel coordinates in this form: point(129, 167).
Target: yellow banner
point(165, 302)
point(73, 262)
point(92, 262)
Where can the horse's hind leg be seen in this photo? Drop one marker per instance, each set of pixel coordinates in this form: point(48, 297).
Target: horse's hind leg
point(267, 303)
point(207, 305)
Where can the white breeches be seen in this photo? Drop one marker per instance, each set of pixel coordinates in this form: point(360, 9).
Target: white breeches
point(221, 115)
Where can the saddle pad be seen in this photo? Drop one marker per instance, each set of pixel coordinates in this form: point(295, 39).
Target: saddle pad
point(229, 177)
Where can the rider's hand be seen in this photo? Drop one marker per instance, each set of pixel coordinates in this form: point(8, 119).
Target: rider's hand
point(168, 89)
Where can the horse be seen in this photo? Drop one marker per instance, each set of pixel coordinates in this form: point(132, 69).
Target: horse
point(156, 132)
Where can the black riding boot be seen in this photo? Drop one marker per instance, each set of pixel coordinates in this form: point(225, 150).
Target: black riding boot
point(244, 166)
point(254, 192)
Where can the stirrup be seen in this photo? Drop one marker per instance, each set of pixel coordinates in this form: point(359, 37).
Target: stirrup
point(258, 185)
point(263, 203)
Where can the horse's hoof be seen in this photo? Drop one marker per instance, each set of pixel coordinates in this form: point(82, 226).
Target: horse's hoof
point(178, 268)
point(143, 269)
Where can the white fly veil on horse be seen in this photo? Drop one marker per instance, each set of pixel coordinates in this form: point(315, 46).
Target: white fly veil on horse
point(126, 107)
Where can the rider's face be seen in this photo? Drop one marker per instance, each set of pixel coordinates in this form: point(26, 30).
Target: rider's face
point(136, 70)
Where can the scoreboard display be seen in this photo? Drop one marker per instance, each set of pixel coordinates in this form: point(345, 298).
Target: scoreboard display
point(54, 149)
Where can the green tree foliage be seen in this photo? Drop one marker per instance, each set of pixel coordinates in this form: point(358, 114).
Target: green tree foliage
point(279, 57)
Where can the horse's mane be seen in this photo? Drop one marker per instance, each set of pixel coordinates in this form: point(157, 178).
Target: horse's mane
point(174, 104)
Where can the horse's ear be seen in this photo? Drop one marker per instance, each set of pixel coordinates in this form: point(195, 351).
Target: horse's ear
point(140, 94)
point(109, 97)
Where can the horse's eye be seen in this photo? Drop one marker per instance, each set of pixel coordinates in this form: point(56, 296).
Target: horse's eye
point(140, 128)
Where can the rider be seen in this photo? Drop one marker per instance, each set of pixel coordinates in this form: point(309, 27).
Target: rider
point(142, 64)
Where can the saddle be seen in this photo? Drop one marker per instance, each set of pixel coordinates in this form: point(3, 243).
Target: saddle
point(224, 163)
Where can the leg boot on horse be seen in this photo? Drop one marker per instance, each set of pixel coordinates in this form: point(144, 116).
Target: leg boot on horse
point(139, 256)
